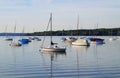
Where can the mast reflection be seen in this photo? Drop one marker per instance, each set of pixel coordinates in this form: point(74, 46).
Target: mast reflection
point(78, 50)
point(53, 56)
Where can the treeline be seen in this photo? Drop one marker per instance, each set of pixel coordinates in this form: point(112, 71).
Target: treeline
point(82, 32)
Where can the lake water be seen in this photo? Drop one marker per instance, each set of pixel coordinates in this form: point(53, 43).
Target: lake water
point(95, 61)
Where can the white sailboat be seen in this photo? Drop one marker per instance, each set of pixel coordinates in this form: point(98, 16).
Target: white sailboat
point(53, 46)
point(80, 42)
point(7, 38)
point(15, 43)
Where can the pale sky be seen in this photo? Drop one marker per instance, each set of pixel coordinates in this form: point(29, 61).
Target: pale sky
point(33, 15)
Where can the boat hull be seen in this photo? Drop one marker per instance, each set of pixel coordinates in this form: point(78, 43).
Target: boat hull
point(15, 44)
point(53, 49)
point(8, 39)
point(71, 39)
point(24, 41)
point(81, 42)
point(96, 42)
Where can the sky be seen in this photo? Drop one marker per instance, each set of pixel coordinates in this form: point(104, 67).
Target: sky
point(33, 15)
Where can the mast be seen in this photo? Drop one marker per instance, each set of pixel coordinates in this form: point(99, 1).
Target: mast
point(14, 29)
point(77, 25)
point(96, 30)
point(51, 29)
point(49, 24)
point(6, 30)
point(14, 32)
point(22, 32)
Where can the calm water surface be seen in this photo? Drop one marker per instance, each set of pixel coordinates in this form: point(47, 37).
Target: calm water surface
point(96, 61)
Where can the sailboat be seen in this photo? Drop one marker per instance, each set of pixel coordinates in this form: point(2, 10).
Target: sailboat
point(24, 40)
point(96, 40)
point(35, 38)
point(7, 38)
point(15, 43)
point(80, 42)
point(53, 46)
point(69, 39)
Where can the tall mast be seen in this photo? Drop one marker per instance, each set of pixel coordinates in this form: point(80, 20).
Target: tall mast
point(23, 30)
point(5, 30)
point(14, 32)
point(77, 25)
point(51, 28)
point(15, 28)
point(96, 30)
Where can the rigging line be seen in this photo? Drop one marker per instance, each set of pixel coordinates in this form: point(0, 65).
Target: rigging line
point(14, 32)
point(51, 28)
point(45, 32)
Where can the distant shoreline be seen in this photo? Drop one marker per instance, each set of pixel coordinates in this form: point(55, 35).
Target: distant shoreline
point(82, 32)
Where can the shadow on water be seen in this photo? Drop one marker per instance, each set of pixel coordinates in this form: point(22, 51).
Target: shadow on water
point(17, 54)
point(53, 57)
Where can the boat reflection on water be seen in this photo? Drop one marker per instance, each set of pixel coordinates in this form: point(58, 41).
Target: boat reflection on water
point(80, 48)
point(79, 51)
point(53, 56)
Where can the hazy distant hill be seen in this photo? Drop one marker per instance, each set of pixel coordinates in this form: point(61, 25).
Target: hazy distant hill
point(11, 34)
